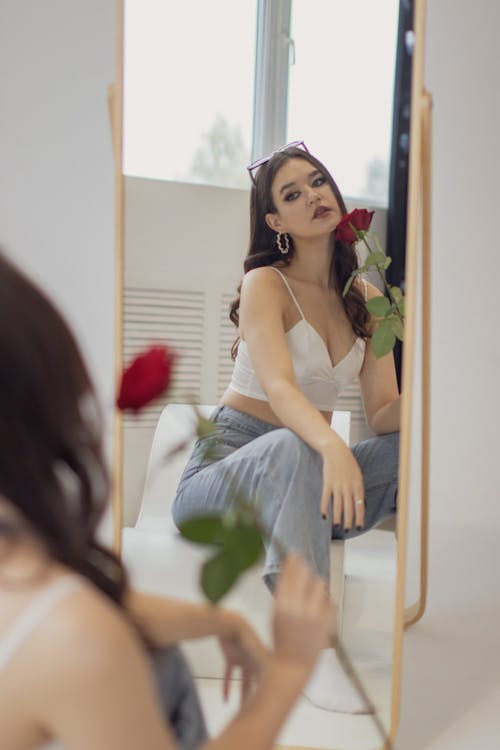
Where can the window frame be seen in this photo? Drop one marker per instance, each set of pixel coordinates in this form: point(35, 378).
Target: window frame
point(272, 63)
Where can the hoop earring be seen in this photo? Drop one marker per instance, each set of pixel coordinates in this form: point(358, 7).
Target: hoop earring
point(284, 249)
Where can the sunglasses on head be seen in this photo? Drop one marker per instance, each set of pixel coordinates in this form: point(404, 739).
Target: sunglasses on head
point(264, 159)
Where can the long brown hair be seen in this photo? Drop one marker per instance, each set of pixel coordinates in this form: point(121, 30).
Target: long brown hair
point(52, 469)
point(263, 250)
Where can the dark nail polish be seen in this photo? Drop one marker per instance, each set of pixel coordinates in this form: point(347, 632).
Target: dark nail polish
point(323, 517)
point(346, 530)
point(358, 528)
point(336, 526)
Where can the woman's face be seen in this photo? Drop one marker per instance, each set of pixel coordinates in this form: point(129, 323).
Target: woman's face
point(306, 206)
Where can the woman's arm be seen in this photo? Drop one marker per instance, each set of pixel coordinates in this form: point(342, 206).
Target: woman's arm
point(379, 387)
point(262, 304)
point(167, 621)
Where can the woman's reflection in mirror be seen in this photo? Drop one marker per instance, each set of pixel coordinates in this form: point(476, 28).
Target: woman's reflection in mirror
point(300, 344)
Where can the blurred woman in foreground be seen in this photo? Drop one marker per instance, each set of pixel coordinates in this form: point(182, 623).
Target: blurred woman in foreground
point(80, 652)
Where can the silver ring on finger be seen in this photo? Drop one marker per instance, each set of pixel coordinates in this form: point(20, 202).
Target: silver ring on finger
point(359, 502)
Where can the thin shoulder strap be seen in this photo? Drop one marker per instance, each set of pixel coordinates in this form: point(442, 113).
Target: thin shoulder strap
point(33, 614)
point(292, 295)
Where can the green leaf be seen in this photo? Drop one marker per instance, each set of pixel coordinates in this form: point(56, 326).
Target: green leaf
point(246, 545)
point(207, 529)
point(217, 576)
point(209, 450)
point(374, 259)
point(205, 428)
point(387, 262)
point(397, 327)
point(383, 340)
point(378, 244)
point(397, 294)
point(401, 307)
point(378, 306)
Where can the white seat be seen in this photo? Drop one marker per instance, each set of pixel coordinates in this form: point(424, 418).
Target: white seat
point(161, 561)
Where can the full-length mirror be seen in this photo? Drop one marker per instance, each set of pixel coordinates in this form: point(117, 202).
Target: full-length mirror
point(207, 89)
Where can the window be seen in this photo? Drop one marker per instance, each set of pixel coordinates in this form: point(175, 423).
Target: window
point(340, 98)
point(188, 99)
point(189, 88)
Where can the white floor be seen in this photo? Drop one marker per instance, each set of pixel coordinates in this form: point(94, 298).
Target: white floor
point(451, 670)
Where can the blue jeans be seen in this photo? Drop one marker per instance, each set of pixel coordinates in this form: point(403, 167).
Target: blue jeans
point(277, 469)
point(178, 697)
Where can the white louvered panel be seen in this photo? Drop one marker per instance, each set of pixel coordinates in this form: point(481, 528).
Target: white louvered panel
point(174, 318)
point(227, 335)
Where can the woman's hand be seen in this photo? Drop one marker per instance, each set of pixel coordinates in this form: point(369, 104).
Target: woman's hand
point(303, 619)
point(343, 480)
point(242, 648)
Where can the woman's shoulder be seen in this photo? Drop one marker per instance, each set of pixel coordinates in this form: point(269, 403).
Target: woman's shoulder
point(264, 272)
point(262, 279)
point(84, 623)
point(75, 636)
point(264, 297)
point(90, 669)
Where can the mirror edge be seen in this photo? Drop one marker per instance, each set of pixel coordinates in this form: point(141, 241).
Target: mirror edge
point(115, 98)
point(416, 198)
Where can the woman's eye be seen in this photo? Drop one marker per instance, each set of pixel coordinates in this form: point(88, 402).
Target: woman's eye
point(291, 196)
point(319, 181)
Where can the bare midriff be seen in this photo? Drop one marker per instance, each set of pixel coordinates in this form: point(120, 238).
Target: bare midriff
point(257, 408)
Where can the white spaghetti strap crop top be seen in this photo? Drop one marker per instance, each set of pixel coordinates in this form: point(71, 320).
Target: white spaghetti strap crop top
point(26, 623)
point(319, 380)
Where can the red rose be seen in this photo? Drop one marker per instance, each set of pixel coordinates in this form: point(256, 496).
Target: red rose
point(147, 377)
point(359, 218)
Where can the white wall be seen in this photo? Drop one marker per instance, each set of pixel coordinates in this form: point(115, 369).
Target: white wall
point(463, 73)
point(451, 682)
point(56, 169)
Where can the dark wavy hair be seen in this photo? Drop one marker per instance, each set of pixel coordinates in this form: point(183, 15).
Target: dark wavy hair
point(263, 250)
point(52, 469)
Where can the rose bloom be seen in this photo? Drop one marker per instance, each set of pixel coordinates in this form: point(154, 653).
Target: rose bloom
point(360, 218)
point(146, 377)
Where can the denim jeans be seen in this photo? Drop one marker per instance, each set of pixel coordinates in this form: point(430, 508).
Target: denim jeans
point(178, 697)
point(277, 469)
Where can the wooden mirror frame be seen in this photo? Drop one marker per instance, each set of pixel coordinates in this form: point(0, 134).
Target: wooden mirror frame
point(417, 247)
point(418, 233)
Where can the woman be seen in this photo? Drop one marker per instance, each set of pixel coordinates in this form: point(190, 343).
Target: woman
point(300, 343)
point(75, 642)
